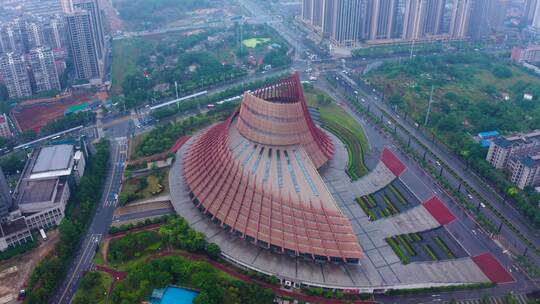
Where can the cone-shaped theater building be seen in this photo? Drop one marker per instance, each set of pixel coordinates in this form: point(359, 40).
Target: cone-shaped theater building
point(256, 175)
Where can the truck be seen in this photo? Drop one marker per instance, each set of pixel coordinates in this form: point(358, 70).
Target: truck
point(43, 234)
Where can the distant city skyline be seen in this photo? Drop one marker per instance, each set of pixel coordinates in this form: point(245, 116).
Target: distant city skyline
point(353, 22)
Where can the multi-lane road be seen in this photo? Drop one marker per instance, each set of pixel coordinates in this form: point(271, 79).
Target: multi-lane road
point(118, 129)
point(100, 223)
point(404, 128)
point(464, 231)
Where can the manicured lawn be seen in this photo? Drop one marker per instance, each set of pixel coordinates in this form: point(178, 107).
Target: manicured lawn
point(155, 186)
point(347, 129)
point(253, 42)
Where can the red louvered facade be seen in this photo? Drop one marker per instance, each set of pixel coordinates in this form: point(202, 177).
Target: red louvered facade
point(256, 174)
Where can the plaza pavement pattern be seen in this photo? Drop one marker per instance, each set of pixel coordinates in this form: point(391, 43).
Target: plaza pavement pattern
point(379, 269)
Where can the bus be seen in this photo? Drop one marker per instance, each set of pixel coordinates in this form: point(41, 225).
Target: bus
point(43, 235)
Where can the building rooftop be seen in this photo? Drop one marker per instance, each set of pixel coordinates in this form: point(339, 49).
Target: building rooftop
point(517, 139)
point(14, 226)
point(257, 174)
point(38, 191)
point(53, 158)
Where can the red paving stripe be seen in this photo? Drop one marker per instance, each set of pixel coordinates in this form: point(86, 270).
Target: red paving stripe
point(493, 269)
point(392, 162)
point(439, 211)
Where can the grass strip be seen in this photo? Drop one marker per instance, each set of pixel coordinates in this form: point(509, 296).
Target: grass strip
point(363, 205)
point(355, 166)
point(416, 236)
point(406, 244)
point(430, 252)
point(408, 237)
point(390, 205)
point(398, 194)
point(371, 201)
point(397, 249)
point(444, 247)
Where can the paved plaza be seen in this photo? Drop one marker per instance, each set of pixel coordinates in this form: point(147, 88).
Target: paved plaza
point(380, 268)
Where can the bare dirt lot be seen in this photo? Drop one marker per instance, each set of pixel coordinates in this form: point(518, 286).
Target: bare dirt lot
point(15, 272)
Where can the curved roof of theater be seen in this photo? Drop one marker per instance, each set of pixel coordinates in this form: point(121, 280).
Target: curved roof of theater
point(256, 173)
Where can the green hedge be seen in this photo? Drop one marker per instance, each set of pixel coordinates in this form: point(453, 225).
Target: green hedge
point(458, 196)
point(440, 289)
point(405, 242)
point(444, 247)
point(398, 194)
point(355, 166)
point(430, 252)
point(397, 249)
point(146, 222)
point(390, 204)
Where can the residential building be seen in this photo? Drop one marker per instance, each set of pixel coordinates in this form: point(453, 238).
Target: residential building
point(43, 69)
point(519, 155)
point(92, 7)
point(41, 8)
point(35, 36)
point(529, 9)
point(55, 32)
point(345, 19)
point(536, 18)
point(14, 73)
point(529, 54)
point(5, 130)
point(83, 46)
point(12, 37)
point(525, 171)
point(67, 6)
point(348, 23)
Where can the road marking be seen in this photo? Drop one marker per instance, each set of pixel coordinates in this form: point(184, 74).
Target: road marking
point(87, 249)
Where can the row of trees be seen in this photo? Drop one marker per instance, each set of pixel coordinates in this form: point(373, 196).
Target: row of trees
point(49, 273)
point(69, 121)
point(162, 138)
point(214, 287)
point(476, 107)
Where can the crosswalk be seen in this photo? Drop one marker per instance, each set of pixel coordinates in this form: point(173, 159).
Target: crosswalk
point(520, 299)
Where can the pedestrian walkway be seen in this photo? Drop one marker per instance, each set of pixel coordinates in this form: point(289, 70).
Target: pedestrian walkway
point(520, 299)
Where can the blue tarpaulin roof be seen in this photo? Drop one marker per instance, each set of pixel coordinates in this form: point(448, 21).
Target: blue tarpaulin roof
point(488, 134)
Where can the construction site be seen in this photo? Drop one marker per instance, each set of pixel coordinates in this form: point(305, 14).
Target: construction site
point(34, 114)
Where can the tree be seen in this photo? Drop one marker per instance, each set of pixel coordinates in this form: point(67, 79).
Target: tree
point(502, 72)
point(13, 163)
point(323, 99)
point(213, 251)
point(29, 135)
point(396, 100)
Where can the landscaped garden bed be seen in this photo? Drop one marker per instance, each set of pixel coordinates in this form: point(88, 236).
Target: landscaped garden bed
point(432, 245)
point(389, 201)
